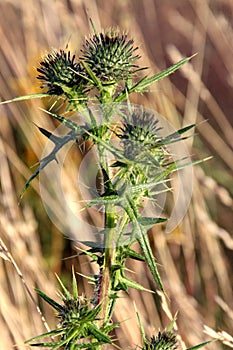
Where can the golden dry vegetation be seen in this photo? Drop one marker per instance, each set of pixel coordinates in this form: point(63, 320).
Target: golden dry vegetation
point(196, 259)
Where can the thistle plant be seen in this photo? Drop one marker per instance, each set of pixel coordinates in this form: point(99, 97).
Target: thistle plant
point(138, 170)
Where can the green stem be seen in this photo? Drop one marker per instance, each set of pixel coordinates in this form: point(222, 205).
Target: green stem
point(109, 258)
point(106, 282)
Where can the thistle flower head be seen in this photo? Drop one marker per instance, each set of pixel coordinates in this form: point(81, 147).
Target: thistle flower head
point(59, 73)
point(140, 126)
point(139, 132)
point(110, 55)
point(164, 341)
point(143, 146)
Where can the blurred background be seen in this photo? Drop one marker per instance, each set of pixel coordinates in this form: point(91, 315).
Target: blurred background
point(196, 259)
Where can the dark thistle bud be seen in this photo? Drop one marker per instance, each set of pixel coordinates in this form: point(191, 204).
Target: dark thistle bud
point(110, 56)
point(164, 341)
point(60, 74)
point(72, 311)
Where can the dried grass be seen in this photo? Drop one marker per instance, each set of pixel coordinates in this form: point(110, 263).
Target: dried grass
point(196, 258)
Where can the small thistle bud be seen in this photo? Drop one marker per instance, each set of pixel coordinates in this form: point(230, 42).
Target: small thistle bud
point(110, 56)
point(72, 310)
point(140, 126)
point(138, 133)
point(143, 145)
point(164, 341)
point(60, 74)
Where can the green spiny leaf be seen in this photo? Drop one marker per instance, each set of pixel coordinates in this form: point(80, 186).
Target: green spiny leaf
point(182, 166)
point(143, 333)
point(100, 336)
point(144, 243)
point(24, 98)
point(174, 137)
point(150, 222)
point(50, 301)
point(55, 139)
point(67, 294)
point(148, 81)
point(51, 345)
point(145, 82)
point(183, 130)
point(130, 253)
point(46, 160)
point(124, 283)
point(89, 278)
point(72, 334)
point(92, 314)
point(53, 333)
point(74, 285)
point(107, 329)
point(139, 233)
point(70, 124)
point(200, 345)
